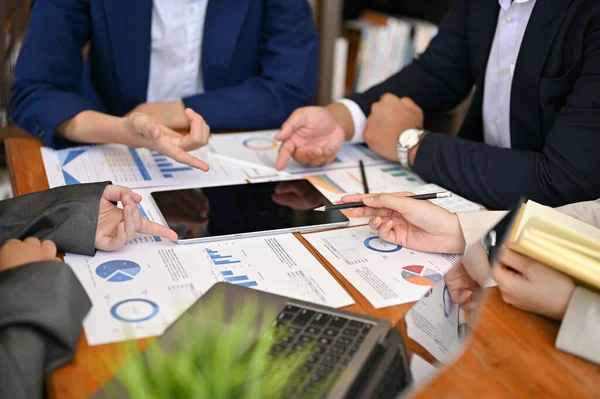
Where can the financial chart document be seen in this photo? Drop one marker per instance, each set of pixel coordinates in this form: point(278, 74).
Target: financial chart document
point(139, 291)
point(261, 148)
point(385, 273)
point(129, 167)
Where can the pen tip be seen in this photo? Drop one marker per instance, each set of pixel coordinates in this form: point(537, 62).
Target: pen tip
point(319, 209)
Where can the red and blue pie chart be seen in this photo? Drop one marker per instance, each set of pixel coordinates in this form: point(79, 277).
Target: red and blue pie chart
point(420, 275)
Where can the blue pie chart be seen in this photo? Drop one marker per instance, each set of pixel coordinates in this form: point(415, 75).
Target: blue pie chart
point(118, 271)
point(376, 244)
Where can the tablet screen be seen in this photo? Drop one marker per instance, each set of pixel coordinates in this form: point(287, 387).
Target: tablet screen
point(243, 209)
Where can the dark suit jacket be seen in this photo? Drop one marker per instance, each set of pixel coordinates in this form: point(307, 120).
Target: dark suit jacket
point(259, 62)
point(42, 305)
point(555, 105)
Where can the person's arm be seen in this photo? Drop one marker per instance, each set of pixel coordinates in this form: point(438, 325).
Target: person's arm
point(287, 80)
point(42, 307)
point(566, 170)
point(588, 212)
point(48, 72)
point(45, 97)
point(440, 78)
point(580, 327)
point(66, 215)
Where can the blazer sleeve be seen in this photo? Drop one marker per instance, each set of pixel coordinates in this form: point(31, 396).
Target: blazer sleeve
point(580, 327)
point(47, 83)
point(588, 212)
point(565, 171)
point(287, 80)
point(66, 215)
point(440, 78)
point(42, 306)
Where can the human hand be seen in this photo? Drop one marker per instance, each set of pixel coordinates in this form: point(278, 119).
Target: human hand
point(529, 285)
point(298, 195)
point(311, 135)
point(411, 223)
point(390, 116)
point(15, 253)
point(147, 133)
point(169, 114)
point(465, 279)
point(117, 226)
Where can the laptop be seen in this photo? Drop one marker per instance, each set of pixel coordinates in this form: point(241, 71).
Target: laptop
point(351, 355)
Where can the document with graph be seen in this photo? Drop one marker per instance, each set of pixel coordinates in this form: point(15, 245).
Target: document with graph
point(386, 274)
point(385, 178)
point(130, 167)
point(138, 294)
point(261, 149)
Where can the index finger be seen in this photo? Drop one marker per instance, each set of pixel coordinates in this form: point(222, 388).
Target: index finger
point(114, 193)
point(182, 156)
point(155, 229)
point(285, 153)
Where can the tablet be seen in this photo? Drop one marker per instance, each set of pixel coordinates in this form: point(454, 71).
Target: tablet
point(225, 212)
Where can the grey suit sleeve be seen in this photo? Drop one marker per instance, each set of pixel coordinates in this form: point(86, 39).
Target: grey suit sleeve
point(588, 212)
point(42, 306)
point(66, 215)
point(580, 327)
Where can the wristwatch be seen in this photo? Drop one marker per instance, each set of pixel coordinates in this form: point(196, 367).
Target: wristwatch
point(407, 140)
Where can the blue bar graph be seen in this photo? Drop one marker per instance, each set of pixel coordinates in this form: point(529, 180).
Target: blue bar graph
point(139, 164)
point(236, 279)
point(249, 284)
point(182, 169)
point(219, 259)
point(242, 280)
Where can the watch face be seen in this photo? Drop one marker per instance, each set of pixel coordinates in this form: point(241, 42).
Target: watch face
point(409, 138)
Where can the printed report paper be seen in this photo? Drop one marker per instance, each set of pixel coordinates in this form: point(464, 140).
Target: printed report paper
point(386, 274)
point(261, 148)
point(434, 324)
point(130, 167)
point(139, 293)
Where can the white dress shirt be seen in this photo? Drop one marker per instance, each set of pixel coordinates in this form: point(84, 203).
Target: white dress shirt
point(512, 21)
point(176, 56)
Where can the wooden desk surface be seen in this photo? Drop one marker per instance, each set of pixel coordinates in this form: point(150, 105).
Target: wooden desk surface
point(512, 354)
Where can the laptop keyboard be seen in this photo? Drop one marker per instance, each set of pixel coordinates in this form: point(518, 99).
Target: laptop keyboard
point(334, 341)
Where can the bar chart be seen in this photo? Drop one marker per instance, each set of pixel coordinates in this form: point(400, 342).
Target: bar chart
point(219, 259)
point(242, 280)
point(167, 166)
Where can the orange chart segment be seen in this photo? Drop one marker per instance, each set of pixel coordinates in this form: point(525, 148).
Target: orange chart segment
point(419, 275)
point(325, 183)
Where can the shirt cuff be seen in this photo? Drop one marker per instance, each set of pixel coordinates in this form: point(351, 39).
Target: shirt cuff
point(358, 118)
point(475, 224)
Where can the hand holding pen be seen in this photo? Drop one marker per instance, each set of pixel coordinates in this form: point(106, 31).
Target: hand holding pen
point(412, 223)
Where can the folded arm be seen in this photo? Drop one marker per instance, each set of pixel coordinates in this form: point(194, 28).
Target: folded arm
point(287, 80)
point(42, 306)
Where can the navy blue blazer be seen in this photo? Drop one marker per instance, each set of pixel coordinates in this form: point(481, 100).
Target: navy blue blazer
point(555, 105)
point(259, 62)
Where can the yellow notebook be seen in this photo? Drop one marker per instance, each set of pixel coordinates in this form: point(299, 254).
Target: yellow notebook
point(559, 241)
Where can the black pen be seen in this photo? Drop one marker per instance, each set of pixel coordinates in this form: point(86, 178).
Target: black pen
point(363, 176)
point(352, 205)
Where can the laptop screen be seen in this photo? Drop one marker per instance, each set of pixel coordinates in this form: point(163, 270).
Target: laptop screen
point(436, 329)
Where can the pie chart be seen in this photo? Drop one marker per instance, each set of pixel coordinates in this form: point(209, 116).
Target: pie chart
point(118, 271)
point(420, 275)
point(376, 244)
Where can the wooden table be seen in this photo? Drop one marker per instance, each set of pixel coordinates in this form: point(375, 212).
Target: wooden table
point(512, 354)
